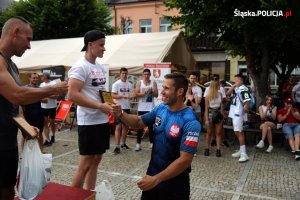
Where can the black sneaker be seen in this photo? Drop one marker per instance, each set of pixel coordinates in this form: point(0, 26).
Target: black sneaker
point(206, 152)
point(213, 143)
point(47, 143)
point(225, 143)
point(52, 139)
point(218, 153)
point(125, 146)
point(117, 150)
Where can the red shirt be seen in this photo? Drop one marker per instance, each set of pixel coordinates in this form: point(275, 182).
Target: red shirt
point(290, 118)
point(287, 89)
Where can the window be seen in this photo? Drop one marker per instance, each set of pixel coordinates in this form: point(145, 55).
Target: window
point(145, 26)
point(126, 25)
point(165, 25)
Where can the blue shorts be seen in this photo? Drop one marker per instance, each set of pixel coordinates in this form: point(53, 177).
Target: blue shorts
point(290, 130)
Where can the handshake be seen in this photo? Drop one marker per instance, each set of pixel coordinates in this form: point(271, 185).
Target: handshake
point(60, 88)
point(116, 110)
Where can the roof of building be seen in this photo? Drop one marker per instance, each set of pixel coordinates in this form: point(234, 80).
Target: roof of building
point(117, 2)
point(203, 44)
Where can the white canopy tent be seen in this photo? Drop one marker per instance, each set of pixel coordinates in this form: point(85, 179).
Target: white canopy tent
point(130, 51)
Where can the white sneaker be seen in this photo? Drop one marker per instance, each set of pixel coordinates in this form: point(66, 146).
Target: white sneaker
point(236, 154)
point(270, 149)
point(150, 145)
point(138, 147)
point(297, 155)
point(260, 145)
point(244, 157)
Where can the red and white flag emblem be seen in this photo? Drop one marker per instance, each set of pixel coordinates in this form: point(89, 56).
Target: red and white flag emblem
point(174, 130)
point(191, 141)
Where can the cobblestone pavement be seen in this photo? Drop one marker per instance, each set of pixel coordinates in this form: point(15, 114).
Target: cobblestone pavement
point(265, 176)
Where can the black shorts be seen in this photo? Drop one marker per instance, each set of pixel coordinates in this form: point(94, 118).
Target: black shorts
point(36, 122)
point(177, 188)
point(49, 112)
point(8, 168)
point(93, 139)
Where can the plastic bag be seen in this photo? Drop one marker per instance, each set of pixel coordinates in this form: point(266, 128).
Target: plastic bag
point(35, 171)
point(104, 191)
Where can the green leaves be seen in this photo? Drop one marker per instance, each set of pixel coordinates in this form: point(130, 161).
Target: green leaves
point(53, 19)
point(265, 40)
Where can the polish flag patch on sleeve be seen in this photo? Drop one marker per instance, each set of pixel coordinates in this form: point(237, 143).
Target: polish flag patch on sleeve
point(191, 141)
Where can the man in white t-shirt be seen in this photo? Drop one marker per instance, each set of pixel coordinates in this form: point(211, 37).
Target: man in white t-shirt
point(145, 90)
point(238, 112)
point(49, 111)
point(86, 79)
point(296, 95)
point(122, 91)
point(196, 90)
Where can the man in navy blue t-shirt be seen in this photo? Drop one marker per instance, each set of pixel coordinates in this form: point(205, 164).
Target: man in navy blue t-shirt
point(176, 136)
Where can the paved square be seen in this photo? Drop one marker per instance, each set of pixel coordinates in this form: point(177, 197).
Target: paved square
point(265, 176)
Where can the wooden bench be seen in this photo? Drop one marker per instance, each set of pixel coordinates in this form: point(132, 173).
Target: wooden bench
point(277, 133)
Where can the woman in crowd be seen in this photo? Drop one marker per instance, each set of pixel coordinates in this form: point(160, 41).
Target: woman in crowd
point(191, 100)
point(290, 118)
point(213, 117)
point(267, 114)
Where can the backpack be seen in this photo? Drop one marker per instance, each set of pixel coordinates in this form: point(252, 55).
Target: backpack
point(252, 101)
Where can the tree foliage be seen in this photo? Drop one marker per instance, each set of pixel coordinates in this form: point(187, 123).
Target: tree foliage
point(265, 41)
point(61, 18)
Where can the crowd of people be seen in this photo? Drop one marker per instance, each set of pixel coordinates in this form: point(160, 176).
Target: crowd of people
point(174, 126)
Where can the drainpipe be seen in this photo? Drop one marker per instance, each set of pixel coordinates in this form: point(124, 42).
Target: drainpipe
point(115, 11)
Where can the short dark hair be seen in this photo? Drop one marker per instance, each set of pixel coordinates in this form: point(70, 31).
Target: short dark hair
point(147, 70)
point(123, 69)
point(92, 36)
point(223, 82)
point(194, 74)
point(215, 77)
point(180, 81)
point(240, 76)
point(23, 20)
point(32, 73)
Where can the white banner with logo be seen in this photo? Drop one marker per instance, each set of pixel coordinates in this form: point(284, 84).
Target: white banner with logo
point(158, 71)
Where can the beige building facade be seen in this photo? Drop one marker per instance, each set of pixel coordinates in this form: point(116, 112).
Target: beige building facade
point(141, 16)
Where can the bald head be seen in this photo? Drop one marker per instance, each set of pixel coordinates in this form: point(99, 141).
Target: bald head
point(15, 22)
